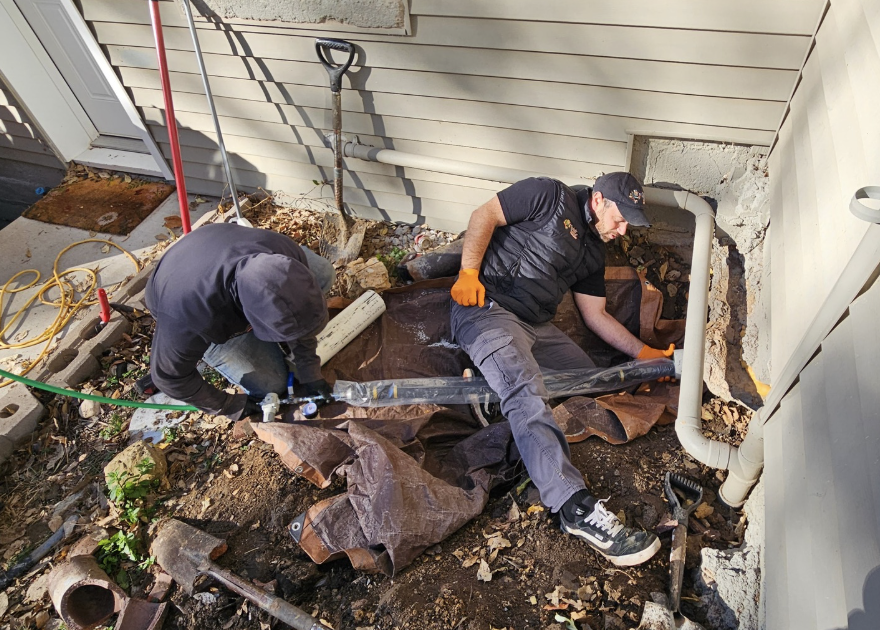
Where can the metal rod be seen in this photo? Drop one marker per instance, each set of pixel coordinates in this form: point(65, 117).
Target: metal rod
point(192, 29)
point(170, 121)
point(337, 150)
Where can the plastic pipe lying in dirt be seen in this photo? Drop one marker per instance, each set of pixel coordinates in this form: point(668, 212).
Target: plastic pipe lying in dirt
point(745, 463)
point(462, 390)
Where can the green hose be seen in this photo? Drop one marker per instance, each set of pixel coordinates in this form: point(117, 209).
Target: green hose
point(100, 399)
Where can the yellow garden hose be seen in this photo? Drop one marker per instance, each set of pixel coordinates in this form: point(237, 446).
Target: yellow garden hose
point(66, 303)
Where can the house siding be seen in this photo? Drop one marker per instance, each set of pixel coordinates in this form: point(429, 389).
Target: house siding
point(20, 140)
point(504, 83)
point(822, 469)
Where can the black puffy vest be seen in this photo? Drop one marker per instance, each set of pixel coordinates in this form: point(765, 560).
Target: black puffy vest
point(529, 271)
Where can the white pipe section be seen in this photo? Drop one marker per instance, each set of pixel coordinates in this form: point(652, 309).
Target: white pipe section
point(744, 463)
point(349, 324)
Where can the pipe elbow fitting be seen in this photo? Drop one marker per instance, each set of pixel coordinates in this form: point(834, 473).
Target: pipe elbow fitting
point(709, 452)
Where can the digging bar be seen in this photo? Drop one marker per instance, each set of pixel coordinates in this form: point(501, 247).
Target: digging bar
point(192, 29)
point(185, 553)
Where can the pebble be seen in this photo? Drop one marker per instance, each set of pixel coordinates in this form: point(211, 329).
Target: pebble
point(89, 408)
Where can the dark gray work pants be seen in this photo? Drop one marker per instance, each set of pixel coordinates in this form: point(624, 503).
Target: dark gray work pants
point(510, 354)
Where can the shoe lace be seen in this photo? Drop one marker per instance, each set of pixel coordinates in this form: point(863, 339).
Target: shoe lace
point(603, 519)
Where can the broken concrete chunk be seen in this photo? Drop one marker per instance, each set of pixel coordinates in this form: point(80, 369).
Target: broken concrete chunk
point(127, 462)
point(89, 408)
point(364, 275)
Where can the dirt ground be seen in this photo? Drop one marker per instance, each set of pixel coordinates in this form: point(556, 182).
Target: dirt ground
point(237, 489)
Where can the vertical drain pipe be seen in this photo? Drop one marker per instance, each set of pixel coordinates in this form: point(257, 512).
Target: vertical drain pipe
point(744, 463)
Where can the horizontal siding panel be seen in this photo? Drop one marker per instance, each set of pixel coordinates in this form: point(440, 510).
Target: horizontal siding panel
point(563, 169)
point(654, 76)
point(28, 157)
point(199, 132)
point(585, 125)
point(658, 44)
point(29, 145)
point(322, 157)
point(18, 130)
point(797, 17)
point(357, 179)
point(702, 110)
point(476, 136)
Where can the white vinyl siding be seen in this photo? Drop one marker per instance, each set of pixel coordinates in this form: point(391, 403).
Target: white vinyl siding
point(548, 88)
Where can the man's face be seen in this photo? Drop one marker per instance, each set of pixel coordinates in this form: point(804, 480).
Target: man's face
point(609, 222)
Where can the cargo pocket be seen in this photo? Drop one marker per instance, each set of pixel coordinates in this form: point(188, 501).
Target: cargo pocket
point(487, 345)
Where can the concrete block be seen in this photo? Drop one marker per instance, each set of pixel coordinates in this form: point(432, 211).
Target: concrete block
point(6, 448)
point(70, 367)
point(19, 413)
point(137, 284)
point(95, 342)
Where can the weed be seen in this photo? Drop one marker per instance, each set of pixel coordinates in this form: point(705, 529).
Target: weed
point(170, 434)
point(113, 428)
point(214, 378)
point(392, 259)
point(127, 491)
point(114, 551)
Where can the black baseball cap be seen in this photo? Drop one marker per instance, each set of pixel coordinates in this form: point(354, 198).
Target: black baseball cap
point(626, 191)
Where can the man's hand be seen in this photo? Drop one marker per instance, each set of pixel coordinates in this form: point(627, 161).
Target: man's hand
point(468, 290)
point(318, 388)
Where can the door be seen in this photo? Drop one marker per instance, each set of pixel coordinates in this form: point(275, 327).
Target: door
point(64, 35)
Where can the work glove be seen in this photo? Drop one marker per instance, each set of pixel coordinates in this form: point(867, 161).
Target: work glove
point(318, 388)
point(468, 290)
point(648, 352)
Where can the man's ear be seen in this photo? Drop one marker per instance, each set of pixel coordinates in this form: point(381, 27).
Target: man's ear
point(596, 201)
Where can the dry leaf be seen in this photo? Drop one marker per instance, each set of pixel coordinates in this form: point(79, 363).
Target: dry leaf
point(663, 268)
point(105, 249)
point(470, 562)
point(484, 574)
point(173, 222)
point(534, 509)
point(498, 543)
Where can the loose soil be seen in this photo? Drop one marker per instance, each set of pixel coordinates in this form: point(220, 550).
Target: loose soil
point(237, 489)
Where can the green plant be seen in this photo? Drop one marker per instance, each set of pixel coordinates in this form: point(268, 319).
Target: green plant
point(114, 551)
point(114, 427)
point(392, 259)
point(127, 491)
point(214, 378)
point(170, 434)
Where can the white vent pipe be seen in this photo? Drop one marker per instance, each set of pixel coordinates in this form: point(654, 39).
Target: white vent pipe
point(744, 463)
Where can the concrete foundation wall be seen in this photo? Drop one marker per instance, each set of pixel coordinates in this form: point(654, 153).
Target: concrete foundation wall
point(380, 14)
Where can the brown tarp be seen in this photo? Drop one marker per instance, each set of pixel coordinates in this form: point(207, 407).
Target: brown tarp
point(414, 475)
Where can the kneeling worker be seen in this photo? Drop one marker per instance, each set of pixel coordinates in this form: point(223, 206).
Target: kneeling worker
point(242, 300)
point(523, 250)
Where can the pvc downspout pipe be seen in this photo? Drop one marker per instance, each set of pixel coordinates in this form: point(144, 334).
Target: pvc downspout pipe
point(688, 426)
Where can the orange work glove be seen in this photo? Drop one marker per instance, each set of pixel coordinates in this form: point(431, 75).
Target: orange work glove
point(468, 290)
point(653, 353)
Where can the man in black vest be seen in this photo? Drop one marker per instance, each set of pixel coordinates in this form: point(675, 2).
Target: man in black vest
point(523, 251)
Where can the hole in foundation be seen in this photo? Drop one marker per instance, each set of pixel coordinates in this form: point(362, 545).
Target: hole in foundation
point(8, 411)
point(62, 361)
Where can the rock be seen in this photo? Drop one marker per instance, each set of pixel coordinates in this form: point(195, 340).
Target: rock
point(89, 408)
point(55, 523)
point(41, 619)
point(127, 461)
point(364, 275)
point(703, 510)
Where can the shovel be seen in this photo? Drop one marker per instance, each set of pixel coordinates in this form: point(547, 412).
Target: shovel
point(201, 62)
point(684, 495)
point(185, 553)
point(347, 233)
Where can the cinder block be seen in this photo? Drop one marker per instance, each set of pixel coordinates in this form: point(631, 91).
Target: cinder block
point(6, 448)
point(137, 284)
point(95, 343)
point(71, 367)
point(19, 413)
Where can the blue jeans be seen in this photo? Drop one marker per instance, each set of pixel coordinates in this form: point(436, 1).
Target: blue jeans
point(259, 367)
point(510, 354)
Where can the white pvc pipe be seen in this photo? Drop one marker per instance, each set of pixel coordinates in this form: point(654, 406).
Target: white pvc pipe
point(745, 463)
point(349, 324)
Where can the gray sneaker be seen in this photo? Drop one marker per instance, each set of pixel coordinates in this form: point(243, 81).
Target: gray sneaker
point(623, 546)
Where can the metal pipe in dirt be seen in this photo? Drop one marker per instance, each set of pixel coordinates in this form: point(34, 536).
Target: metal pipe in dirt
point(170, 121)
point(223, 155)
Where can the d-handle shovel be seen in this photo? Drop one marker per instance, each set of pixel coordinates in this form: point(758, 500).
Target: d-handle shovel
point(185, 553)
point(192, 29)
point(684, 495)
point(348, 240)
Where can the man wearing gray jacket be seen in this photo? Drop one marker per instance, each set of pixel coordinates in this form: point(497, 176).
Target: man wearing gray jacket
point(245, 301)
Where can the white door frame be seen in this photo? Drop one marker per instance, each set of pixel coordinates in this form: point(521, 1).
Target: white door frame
point(39, 87)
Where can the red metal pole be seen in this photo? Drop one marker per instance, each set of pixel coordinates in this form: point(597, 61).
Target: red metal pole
point(105, 306)
point(170, 121)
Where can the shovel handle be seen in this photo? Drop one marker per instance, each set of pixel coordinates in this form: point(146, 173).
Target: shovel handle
point(334, 71)
point(676, 564)
point(275, 606)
